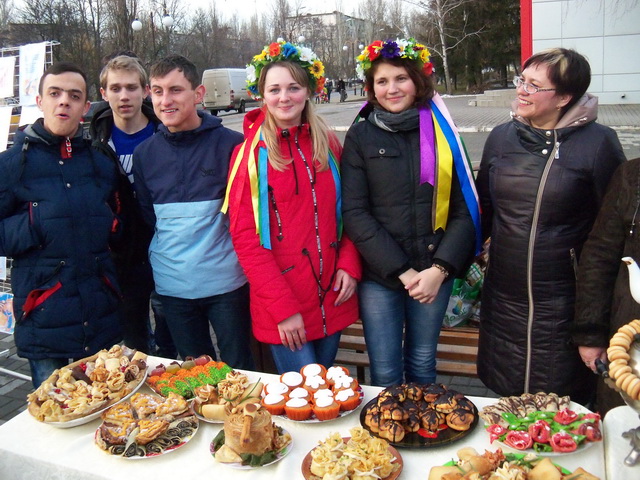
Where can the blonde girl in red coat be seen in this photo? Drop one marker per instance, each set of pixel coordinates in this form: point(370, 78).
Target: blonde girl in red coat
point(285, 213)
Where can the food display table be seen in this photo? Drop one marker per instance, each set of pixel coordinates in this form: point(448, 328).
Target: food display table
point(30, 449)
point(619, 420)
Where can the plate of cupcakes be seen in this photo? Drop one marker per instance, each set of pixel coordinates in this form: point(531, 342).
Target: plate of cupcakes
point(314, 394)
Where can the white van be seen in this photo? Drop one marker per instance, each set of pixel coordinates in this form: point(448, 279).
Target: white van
point(226, 89)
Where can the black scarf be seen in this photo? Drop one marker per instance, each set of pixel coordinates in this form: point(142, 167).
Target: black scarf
point(395, 122)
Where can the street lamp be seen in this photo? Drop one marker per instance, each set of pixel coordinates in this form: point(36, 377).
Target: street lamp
point(301, 39)
point(166, 21)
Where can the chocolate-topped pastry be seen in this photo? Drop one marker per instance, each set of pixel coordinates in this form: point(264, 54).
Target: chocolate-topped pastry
point(410, 406)
point(387, 404)
point(414, 391)
point(396, 391)
point(546, 402)
point(431, 419)
point(392, 431)
point(517, 407)
point(422, 406)
point(412, 424)
point(464, 403)
point(529, 403)
point(460, 419)
point(372, 420)
point(445, 403)
point(399, 414)
point(432, 391)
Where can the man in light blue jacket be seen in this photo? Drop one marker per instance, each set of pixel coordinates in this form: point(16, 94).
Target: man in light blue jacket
point(180, 179)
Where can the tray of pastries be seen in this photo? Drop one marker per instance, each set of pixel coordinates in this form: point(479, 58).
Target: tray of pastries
point(542, 422)
point(421, 416)
point(78, 393)
point(146, 426)
point(498, 465)
point(351, 458)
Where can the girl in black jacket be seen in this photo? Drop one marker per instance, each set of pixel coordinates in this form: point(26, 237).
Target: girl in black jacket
point(411, 245)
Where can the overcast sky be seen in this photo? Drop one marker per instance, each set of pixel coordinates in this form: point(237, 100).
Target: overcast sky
point(246, 8)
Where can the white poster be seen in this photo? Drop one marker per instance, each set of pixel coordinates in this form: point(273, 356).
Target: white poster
point(29, 115)
point(7, 69)
point(32, 58)
point(5, 125)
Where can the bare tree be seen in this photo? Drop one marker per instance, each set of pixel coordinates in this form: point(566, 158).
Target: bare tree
point(447, 32)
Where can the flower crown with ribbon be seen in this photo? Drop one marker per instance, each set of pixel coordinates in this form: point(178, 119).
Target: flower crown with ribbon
point(399, 48)
point(286, 51)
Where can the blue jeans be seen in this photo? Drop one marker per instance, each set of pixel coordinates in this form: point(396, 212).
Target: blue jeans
point(228, 313)
point(43, 368)
point(161, 338)
point(322, 351)
point(387, 314)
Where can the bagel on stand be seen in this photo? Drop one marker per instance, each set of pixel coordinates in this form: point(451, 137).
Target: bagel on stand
point(623, 375)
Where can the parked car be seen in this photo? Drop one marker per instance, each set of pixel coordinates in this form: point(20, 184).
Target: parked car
point(226, 89)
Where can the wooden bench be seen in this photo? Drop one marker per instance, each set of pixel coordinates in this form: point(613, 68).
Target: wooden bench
point(457, 351)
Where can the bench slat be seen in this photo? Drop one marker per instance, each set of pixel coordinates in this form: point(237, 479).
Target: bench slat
point(457, 350)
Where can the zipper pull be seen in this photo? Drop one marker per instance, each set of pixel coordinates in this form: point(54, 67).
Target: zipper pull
point(557, 150)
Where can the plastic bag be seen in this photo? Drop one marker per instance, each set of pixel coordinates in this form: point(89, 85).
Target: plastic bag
point(465, 297)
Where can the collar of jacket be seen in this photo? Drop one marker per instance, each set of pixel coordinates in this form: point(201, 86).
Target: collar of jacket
point(102, 122)
point(583, 112)
point(209, 122)
point(37, 133)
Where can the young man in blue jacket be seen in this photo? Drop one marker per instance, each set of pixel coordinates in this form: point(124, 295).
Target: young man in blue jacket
point(116, 129)
point(55, 222)
point(180, 178)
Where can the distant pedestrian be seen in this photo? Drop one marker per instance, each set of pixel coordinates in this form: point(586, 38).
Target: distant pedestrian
point(329, 87)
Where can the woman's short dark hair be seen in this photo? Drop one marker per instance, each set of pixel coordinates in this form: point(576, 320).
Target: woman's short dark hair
point(568, 71)
point(423, 83)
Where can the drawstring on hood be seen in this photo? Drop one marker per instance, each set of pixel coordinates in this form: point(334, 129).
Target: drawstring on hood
point(286, 134)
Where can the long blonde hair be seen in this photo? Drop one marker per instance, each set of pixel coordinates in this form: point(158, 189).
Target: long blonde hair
point(317, 126)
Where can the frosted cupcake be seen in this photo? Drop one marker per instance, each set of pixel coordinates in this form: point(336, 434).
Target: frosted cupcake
point(298, 409)
point(315, 383)
point(335, 372)
point(292, 379)
point(276, 387)
point(300, 393)
point(326, 408)
point(274, 403)
point(313, 369)
point(348, 399)
point(345, 382)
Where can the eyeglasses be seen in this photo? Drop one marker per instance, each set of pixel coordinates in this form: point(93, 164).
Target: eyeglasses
point(529, 88)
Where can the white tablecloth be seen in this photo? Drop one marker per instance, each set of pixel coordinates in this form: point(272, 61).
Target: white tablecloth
point(33, 450)
point(619, 420)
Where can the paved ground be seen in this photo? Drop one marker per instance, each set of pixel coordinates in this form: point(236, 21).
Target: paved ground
point(474, 122)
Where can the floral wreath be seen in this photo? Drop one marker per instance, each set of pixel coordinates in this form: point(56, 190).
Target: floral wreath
point(285, 51)
point(399, 48)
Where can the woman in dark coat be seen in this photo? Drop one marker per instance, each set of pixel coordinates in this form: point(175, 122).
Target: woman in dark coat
point(541, 182)
point(603, 299)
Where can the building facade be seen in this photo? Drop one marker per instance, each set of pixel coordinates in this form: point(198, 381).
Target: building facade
point(606, 32)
